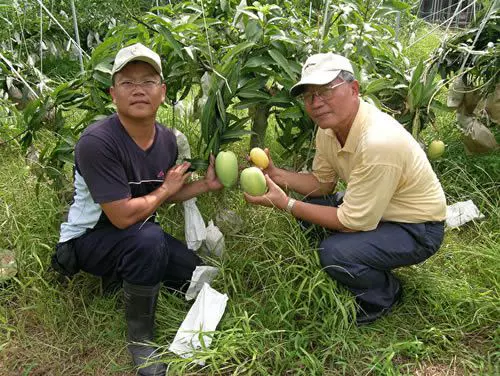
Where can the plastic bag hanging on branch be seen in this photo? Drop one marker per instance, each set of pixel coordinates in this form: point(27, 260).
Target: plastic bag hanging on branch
point(195, 231)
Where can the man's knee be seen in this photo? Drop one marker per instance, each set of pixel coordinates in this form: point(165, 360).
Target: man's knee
point(337, 259)
point(150, 244)
point(332, 252)
point(147, 256)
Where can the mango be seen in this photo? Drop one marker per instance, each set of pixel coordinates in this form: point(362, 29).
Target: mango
point(259, 158)
point(253, 181)
point(226, 168)
point(436, 149)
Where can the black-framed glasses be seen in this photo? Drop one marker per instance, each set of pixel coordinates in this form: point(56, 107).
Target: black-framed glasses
point(324, 93)
point(146, 84)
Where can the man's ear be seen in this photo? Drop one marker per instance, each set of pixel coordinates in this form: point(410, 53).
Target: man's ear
point(112, 93)
point(355, 88)
point(163, 92)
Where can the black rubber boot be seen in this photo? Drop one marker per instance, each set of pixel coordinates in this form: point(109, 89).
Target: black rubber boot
point(140, 307)
point(110, 284)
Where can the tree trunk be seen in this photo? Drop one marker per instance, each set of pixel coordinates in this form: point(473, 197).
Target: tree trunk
point(259, 114)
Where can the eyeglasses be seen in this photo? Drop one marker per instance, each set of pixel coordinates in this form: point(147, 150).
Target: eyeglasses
point(324, 93)
point(146, 84)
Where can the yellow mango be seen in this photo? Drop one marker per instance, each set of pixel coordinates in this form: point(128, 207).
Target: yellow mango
point(259, 158)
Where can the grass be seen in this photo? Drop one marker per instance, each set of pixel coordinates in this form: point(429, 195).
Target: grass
point(284, 316)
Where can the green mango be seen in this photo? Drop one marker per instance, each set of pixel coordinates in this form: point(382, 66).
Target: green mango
point(226, 168)
point(253, 181)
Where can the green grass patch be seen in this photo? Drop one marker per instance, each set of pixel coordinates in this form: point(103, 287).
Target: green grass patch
point(285, 316)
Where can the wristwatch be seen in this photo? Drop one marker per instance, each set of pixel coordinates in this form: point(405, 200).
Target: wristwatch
point(290, 204)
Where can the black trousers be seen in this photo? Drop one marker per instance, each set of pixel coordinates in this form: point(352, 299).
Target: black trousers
point(142, 254)
point(362, 261)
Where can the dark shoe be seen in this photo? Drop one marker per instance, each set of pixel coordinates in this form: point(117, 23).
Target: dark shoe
point(140, 308)
point(369, 315)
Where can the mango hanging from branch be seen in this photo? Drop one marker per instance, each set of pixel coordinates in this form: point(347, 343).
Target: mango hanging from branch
point(436, 149)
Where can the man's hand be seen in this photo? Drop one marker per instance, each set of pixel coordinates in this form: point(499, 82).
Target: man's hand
point(275, 196)
point(213, 183)
point(271, 169)
point(175, 178)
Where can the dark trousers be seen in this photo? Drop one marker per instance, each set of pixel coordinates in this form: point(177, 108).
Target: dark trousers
point(362, 261)
point(142, 254)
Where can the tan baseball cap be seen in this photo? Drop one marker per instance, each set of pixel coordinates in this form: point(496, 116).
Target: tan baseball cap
point(136, 52)
point(320, 69)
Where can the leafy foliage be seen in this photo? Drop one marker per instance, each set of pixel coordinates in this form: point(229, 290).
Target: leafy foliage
point(243, 60)
point(474, 53)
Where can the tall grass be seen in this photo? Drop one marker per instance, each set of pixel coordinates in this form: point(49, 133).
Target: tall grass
point(285, 316)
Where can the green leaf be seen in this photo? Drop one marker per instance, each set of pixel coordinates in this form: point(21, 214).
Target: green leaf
point(291, 113)
point(104, 67)
point(221, 107)
point(282, 62)
point(235, 134)
point(374, 86)
point(238, 49)
point(253, 30)
point(258, 61)
point(170, 39)
point(281, 98)
point(252, 94)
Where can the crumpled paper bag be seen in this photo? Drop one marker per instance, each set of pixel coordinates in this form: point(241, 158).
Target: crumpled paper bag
point(201, 275)
point(461, 213)
point(203, 317)
point(194, 226)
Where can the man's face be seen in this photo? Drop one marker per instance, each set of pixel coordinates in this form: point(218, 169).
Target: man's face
point(332, 105)
point(137, 91)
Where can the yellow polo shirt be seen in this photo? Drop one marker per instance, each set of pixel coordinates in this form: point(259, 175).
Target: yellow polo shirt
point(388, 175)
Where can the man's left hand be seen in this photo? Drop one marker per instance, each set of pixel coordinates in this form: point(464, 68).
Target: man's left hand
point(213, 183)
point(275, 196)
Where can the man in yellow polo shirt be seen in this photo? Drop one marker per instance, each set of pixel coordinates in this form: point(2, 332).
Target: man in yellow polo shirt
point(393, 210)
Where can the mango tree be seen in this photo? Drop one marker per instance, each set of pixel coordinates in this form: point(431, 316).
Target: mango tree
point(246, 58)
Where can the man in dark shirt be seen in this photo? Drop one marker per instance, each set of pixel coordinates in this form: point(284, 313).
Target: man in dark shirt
point(124, 170)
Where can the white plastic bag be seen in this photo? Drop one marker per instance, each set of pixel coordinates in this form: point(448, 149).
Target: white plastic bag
point(214, 243)
point(201, 275)
point(194, 226)
point(456, 93)
point(183, 148)
point(203, 317)
point(195, 231)
point(461, 213)
point(228, 221)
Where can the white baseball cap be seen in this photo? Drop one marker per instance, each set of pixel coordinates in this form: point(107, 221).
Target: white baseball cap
point(136, 52)
point(320, 69)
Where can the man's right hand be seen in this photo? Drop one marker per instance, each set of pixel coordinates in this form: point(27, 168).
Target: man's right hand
point(175, 178)
point(303, 183)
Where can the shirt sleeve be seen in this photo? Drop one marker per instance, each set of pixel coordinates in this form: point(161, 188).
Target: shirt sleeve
point(321, 168)
point(368, 193)
point(101, 169)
